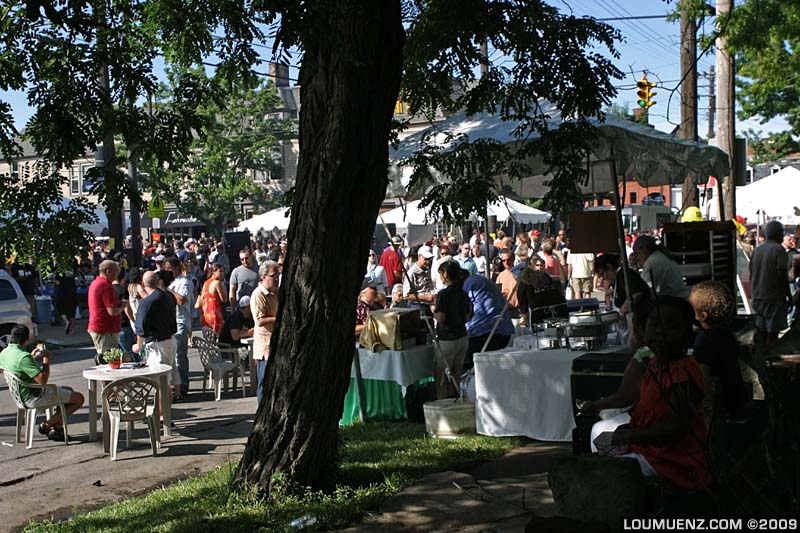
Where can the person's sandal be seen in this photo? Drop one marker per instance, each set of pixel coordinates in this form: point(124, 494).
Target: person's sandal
point(56, 434)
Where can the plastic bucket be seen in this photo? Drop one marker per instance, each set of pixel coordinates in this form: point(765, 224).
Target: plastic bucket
point(449, 418)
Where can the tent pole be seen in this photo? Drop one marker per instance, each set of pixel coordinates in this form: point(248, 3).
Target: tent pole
point(487, 272)
point(620, 230)
point(720, 201)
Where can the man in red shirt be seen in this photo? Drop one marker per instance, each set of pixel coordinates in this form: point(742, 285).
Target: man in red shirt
point(105, 310)
point(391, 262)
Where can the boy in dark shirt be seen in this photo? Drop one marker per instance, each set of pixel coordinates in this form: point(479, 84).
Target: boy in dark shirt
point(716, 348)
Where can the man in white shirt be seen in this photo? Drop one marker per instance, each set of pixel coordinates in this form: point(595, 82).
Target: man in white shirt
point(579, 269)
point(183, 291)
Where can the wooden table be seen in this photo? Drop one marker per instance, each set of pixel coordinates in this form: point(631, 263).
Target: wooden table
point(104, 374)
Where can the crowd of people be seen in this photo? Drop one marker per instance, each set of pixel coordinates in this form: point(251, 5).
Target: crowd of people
point(687, 369)
point(149, 312)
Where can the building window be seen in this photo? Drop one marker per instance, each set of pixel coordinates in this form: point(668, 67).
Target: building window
point(633, 198)
point(276, 172)
point(74, 182)
point(774, 169)
point(87, 180)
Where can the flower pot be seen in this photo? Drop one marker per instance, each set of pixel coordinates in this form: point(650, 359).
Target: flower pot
point(114, 365)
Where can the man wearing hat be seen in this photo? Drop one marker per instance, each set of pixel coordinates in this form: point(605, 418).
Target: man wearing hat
point(536, 241)
point(420, 283)
point(239, 325)
point(392, 261)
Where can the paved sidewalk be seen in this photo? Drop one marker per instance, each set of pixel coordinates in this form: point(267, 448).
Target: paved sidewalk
point(55, 337)
point(54, 480)
point(501, 495)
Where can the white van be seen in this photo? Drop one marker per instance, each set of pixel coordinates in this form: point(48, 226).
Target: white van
point(13, 308)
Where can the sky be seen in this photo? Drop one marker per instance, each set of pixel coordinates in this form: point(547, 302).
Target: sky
point(651, 45)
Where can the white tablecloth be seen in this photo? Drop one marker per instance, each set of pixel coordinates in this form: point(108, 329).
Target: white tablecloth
point(525, 392)
point(405, 367)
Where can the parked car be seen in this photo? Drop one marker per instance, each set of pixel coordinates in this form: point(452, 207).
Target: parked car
point(13, 308)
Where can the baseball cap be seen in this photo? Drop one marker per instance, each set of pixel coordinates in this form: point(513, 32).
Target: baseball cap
point(160, 258)
point(628, 238)
point(244, 301)
point(425, 251)
point(397, 240)
point(536, 232)
point(190, 241)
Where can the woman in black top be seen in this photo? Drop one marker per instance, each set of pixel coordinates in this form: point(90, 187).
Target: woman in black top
point(453, 310)
point(66, 298)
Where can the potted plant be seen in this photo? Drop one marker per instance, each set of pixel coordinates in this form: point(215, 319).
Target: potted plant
point(113, 357)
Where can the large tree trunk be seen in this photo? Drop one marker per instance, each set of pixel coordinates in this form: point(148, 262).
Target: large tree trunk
point(349, 82)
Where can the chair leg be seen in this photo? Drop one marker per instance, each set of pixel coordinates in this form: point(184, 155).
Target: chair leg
point(114, 437)
point(205, 382)
point(31, 427)
point(151, 428)
point(218, 387)
point(128, 433)
point(21, 422)
point(64, 421)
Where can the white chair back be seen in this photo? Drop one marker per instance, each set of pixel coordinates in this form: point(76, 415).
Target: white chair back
point(129, 397)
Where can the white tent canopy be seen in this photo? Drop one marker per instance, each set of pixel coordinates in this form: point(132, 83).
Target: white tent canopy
point(776, 196)
point(504, 209)
point(650, 155)
point(268, 221)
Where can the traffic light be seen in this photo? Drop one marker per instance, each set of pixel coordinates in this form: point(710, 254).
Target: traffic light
point(645, 93)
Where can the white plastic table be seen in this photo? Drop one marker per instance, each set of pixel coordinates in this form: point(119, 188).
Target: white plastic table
point(252, 363)
point(105, 374)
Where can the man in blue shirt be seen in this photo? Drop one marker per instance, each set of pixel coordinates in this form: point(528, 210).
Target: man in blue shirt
point(487, 305)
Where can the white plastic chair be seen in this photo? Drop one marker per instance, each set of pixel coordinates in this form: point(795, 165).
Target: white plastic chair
point(128, 400)
point(27, 413)
point(215, 367)
point(235, 353)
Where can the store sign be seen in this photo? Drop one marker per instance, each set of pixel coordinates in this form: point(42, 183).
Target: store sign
point(173, 218)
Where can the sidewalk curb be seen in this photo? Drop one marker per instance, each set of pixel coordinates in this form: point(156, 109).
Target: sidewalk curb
point(55, 344)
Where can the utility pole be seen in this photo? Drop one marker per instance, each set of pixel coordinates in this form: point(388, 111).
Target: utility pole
point(484, 72)
point(726, 125)
point(136, 219)
point(712, 102)
point(688, 127)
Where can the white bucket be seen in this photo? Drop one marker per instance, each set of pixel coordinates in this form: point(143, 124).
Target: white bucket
point(449, 418)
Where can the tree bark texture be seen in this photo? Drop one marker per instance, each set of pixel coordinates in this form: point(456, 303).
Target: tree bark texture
point(726, 118)
point(349, 82)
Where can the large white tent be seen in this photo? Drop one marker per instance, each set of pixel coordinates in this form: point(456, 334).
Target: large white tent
point(267, 221)
point(504, 209)
point(776, 196)
point(650, 155)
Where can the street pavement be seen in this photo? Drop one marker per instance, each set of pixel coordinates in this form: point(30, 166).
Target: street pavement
point(54, 480)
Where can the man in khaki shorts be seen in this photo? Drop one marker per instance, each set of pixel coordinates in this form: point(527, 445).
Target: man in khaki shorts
point(105, 310)
point(579, 269)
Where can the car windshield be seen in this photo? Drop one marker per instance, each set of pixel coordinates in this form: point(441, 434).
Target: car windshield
point(7, 291)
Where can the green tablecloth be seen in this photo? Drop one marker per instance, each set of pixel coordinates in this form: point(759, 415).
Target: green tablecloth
point(385, 401)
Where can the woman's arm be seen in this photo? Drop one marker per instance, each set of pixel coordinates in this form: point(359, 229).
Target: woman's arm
point(627, 394)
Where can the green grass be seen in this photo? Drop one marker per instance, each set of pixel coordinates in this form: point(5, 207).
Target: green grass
point(379, 459)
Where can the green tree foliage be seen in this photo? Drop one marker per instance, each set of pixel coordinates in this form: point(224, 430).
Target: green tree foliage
point(765, 37)
point(238, 140)
point(35, 224)
point(772, 147)
point(55, 52)
point(539, 54)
